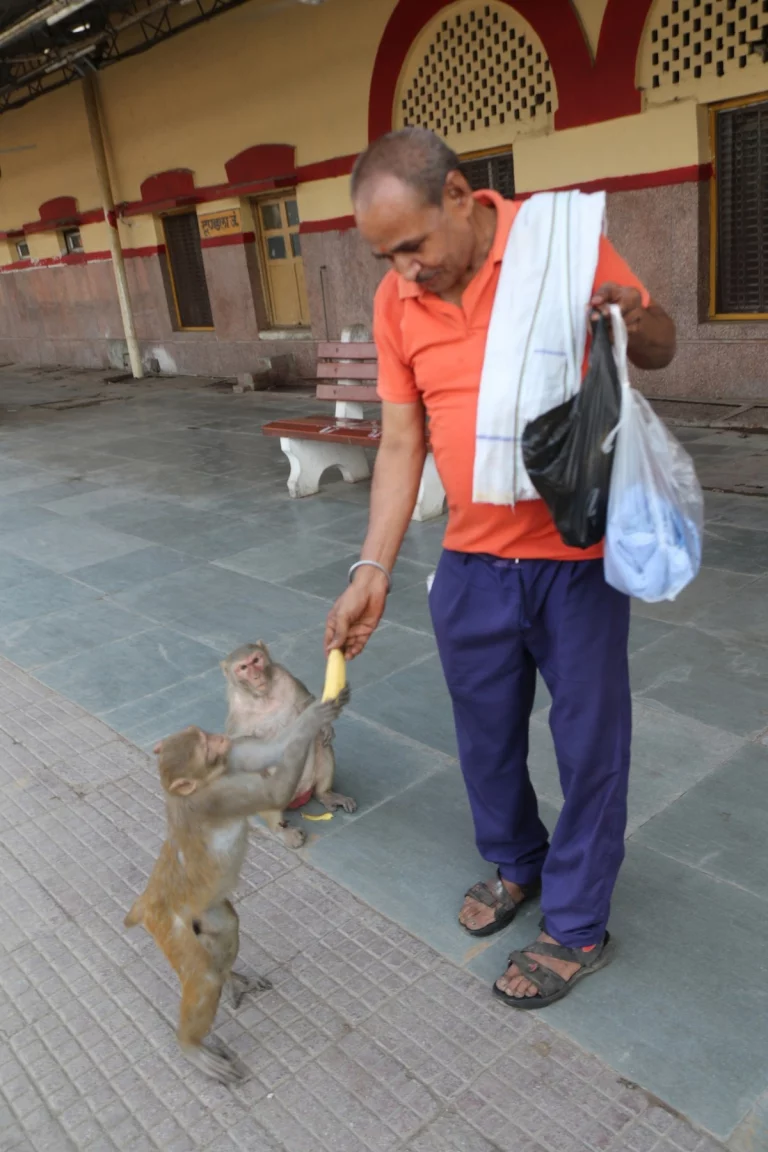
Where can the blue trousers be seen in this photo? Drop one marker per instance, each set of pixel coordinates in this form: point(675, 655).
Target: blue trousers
point(496, 622)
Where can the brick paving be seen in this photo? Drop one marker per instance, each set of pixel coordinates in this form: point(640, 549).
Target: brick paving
point(369, 1041)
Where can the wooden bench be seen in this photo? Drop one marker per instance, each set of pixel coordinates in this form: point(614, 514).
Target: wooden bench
point(347, 370)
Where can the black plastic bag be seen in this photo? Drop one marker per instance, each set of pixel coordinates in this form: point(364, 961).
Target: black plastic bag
point(563, 448)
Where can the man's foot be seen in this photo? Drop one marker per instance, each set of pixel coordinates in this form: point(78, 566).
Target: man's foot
point(545, 971)
point(491, 905)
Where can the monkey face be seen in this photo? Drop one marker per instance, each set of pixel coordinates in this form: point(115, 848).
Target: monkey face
point(248, 668)
point(191, 759)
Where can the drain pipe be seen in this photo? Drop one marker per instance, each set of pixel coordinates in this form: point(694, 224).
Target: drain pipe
point(96, 130)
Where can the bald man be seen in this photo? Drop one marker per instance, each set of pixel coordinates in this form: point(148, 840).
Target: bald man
point(508, 596)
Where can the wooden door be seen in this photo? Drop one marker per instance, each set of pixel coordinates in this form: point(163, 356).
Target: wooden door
point(281, 249)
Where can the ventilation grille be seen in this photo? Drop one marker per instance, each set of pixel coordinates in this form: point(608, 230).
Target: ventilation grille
point(742, 210)
point(482, 68)
point(495, 172)
point(695, 38)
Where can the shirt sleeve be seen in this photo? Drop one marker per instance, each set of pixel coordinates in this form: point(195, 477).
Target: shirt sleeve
point(612, 268)
point(396, 384)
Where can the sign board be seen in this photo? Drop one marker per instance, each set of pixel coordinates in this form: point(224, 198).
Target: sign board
point(225, 223)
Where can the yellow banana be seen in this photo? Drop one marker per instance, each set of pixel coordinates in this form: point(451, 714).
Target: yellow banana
point(335, 674)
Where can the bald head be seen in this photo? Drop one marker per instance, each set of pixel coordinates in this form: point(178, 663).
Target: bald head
point(414, 157)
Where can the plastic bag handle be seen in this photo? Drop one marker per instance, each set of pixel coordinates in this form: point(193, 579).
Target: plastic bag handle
point(620, 346)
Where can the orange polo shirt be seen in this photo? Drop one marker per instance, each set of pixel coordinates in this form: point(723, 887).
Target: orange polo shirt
point(431, 350)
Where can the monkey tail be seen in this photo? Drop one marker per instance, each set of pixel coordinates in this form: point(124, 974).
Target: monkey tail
point(136, 914)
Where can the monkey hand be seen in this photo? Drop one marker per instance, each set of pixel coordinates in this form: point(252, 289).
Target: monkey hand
point(328, 710)
point(356, 614)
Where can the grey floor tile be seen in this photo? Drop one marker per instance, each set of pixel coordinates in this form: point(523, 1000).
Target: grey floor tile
point(106, 677)
point(50, 492)
point(390, 650)
point(69, 543)
point(30, 480)
point(225, 609)
point(199, 700)
point(752, 1133)
point(644, 631)
point(372, 766)
point(40, 595)
point(14, 570)
point(719, 826)
point(412, 858)
point(330, 580)
point(137, 567)
point(424, 542)
point(720, 682)
point(742, 511)
point(670, 1013)
point(711, 586)
point(413, 702)
point(743, 616)
point(410, 606)
point(349, 529)
point(298, 555)
point(86, 503)
point(29, 517)
point(335, 519)
point(32, 643)
point(736, 549)
point(670, 753)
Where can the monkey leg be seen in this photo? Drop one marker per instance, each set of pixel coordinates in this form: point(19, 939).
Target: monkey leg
point(200, 996)
point(291, 837)
point(202, 964)
point(325, 769)
point(220, 936)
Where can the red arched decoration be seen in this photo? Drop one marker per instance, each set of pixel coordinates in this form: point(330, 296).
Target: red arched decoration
point(175, 184)
point(58, 209)
point(262, 162)
point(587, 92)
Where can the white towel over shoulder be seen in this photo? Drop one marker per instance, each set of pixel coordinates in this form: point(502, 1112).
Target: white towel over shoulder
point(537, 333)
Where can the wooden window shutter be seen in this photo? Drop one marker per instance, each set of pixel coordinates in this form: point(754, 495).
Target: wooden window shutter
point(185, 256)
point(742, 209)
point(495, 172)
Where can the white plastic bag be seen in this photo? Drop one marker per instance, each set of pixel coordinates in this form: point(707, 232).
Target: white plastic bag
point(653, 538)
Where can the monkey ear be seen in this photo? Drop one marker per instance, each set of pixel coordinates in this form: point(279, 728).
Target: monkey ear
point(158, 748)
point(183, 786)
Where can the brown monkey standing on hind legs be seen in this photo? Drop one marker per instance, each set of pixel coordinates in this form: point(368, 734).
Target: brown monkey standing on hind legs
point(213, 784)
point(264, 698)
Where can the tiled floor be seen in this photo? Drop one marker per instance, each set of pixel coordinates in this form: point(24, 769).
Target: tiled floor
point(141, 540)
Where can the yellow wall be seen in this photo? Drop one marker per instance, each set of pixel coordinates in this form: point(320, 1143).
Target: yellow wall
point(657, 140)
point(300, 75)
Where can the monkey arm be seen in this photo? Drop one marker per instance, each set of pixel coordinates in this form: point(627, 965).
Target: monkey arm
point(250, 786)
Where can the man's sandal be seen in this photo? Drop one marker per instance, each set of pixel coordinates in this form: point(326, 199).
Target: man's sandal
point(551, 985)
point(494, 895)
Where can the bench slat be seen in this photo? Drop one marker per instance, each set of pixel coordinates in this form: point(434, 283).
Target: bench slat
point(354, 351)
point(365, 433)
point(362, 393)
point(365, 371)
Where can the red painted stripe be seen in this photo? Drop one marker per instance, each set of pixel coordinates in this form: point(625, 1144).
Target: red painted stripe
point(304, 174)
point(81, 258)
point(140, 253)
point(325, 169)
point(692, 174)
point(228, 241)
point(337, 224)
point(79, 220)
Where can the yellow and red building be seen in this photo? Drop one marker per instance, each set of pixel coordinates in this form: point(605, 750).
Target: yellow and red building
point(230, 147)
